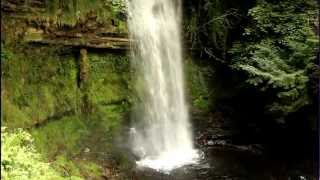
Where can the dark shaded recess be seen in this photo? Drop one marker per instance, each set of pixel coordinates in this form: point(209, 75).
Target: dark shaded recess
point(291, 141)
point(196, 7)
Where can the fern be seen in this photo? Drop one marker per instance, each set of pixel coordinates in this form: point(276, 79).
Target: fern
point(277, 51)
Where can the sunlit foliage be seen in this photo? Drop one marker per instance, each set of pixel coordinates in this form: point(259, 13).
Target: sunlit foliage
point(20, 160)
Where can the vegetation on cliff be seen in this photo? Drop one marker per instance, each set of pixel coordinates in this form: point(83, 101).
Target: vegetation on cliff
point(66, 89)
point(270, 45)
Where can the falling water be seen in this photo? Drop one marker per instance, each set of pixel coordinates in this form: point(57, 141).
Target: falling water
point(162, 137)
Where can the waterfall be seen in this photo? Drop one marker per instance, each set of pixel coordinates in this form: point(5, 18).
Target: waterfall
point(162, 136)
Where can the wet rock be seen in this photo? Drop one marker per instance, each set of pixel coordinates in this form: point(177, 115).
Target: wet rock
point(111, 173)
point(210, 143)
point(86, 32)
point(86, 150)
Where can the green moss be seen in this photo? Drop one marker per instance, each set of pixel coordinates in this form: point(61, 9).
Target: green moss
point(74, 169)
point(109, 78)
point(59, 137)
point(89, 169)
point(77, 144)
point(64, 143)
point(66, 166)
point(43, 84)
point(33, 35)
point(36, 86)
point(40, 85)
point(113, 116)
point(12, 113)
point(197, 85)
point(122, 27)
point(70, 12)
point(201, 103)
point(205, 86)
point(77, 169)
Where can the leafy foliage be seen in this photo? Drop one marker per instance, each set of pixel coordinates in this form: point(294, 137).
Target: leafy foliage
point(277, 50)
point(209, 26)
point(20, 160)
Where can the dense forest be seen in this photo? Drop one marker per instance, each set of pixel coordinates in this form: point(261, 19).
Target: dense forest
point(251, 80)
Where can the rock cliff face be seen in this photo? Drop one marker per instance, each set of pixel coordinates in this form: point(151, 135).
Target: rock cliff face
point(33, 22)
point(66, 78)
point(50, 31)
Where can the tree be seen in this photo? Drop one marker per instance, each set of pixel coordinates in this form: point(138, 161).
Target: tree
point(209, 24)
point(277, 52)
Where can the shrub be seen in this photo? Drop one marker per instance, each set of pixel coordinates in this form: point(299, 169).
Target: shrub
point(20, 160)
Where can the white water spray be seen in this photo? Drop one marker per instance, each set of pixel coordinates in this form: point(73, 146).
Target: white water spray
point(162, 138)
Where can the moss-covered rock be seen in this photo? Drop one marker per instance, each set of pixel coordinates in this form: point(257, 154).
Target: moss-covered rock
point(198, 85)
point(206, 84)
point(68, 13)
point(40, 92)
point(72, 101)
point(36, 86)
point(93, 24)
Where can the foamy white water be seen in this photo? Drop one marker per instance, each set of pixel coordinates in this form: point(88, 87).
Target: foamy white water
point(162, 137)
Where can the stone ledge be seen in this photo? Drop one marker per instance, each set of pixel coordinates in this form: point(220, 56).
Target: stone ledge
point(79, 40)
point(102, 43)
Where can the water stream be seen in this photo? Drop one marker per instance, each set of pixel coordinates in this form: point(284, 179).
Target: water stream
point(162, 136)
